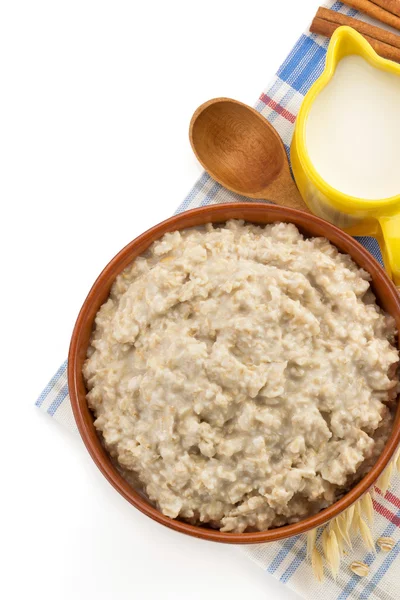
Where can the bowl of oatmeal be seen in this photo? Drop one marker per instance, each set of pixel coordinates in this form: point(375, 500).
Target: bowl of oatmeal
point(233, 372)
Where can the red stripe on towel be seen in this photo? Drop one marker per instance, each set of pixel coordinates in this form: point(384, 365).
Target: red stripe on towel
point(385, 512)
point(277, 108)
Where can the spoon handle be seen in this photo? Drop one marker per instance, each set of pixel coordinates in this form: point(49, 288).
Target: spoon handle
point(283, 191)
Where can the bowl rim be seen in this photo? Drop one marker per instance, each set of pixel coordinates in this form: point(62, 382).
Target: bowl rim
point(78, 347)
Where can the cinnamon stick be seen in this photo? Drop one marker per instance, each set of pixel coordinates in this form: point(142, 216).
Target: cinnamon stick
point(373, 10)
point(372, 31)
point(327, 28)
point(392, 6)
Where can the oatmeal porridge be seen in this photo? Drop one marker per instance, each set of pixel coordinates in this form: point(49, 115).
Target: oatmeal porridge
point(244, 374)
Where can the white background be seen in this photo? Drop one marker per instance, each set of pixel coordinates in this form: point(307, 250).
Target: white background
point(95, 102)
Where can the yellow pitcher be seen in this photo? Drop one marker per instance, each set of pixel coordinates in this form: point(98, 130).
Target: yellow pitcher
point(357, 216)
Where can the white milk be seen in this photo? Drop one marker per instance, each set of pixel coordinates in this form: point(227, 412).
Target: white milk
point(353, 131)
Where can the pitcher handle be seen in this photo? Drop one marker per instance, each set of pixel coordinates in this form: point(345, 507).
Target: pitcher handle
point(391, 235)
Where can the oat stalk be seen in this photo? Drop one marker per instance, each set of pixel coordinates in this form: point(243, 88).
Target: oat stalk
point(343, 528)
point(367, 507)
point(311, 537)
point(324, 541)
point(333, 553)
point(355, 525)
point(384, 480)
point(350, 516)
point(317, 564)
point(366, 535)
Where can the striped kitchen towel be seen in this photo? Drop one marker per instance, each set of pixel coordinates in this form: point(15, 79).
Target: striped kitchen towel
point(286, 560)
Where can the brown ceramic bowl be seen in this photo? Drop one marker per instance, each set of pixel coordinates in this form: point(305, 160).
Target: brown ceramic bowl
point(387, 297)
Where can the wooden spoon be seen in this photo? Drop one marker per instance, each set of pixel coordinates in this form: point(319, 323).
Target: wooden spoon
point(243, 152)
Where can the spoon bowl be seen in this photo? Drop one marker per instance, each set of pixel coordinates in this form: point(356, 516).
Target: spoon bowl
point(243, 152)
